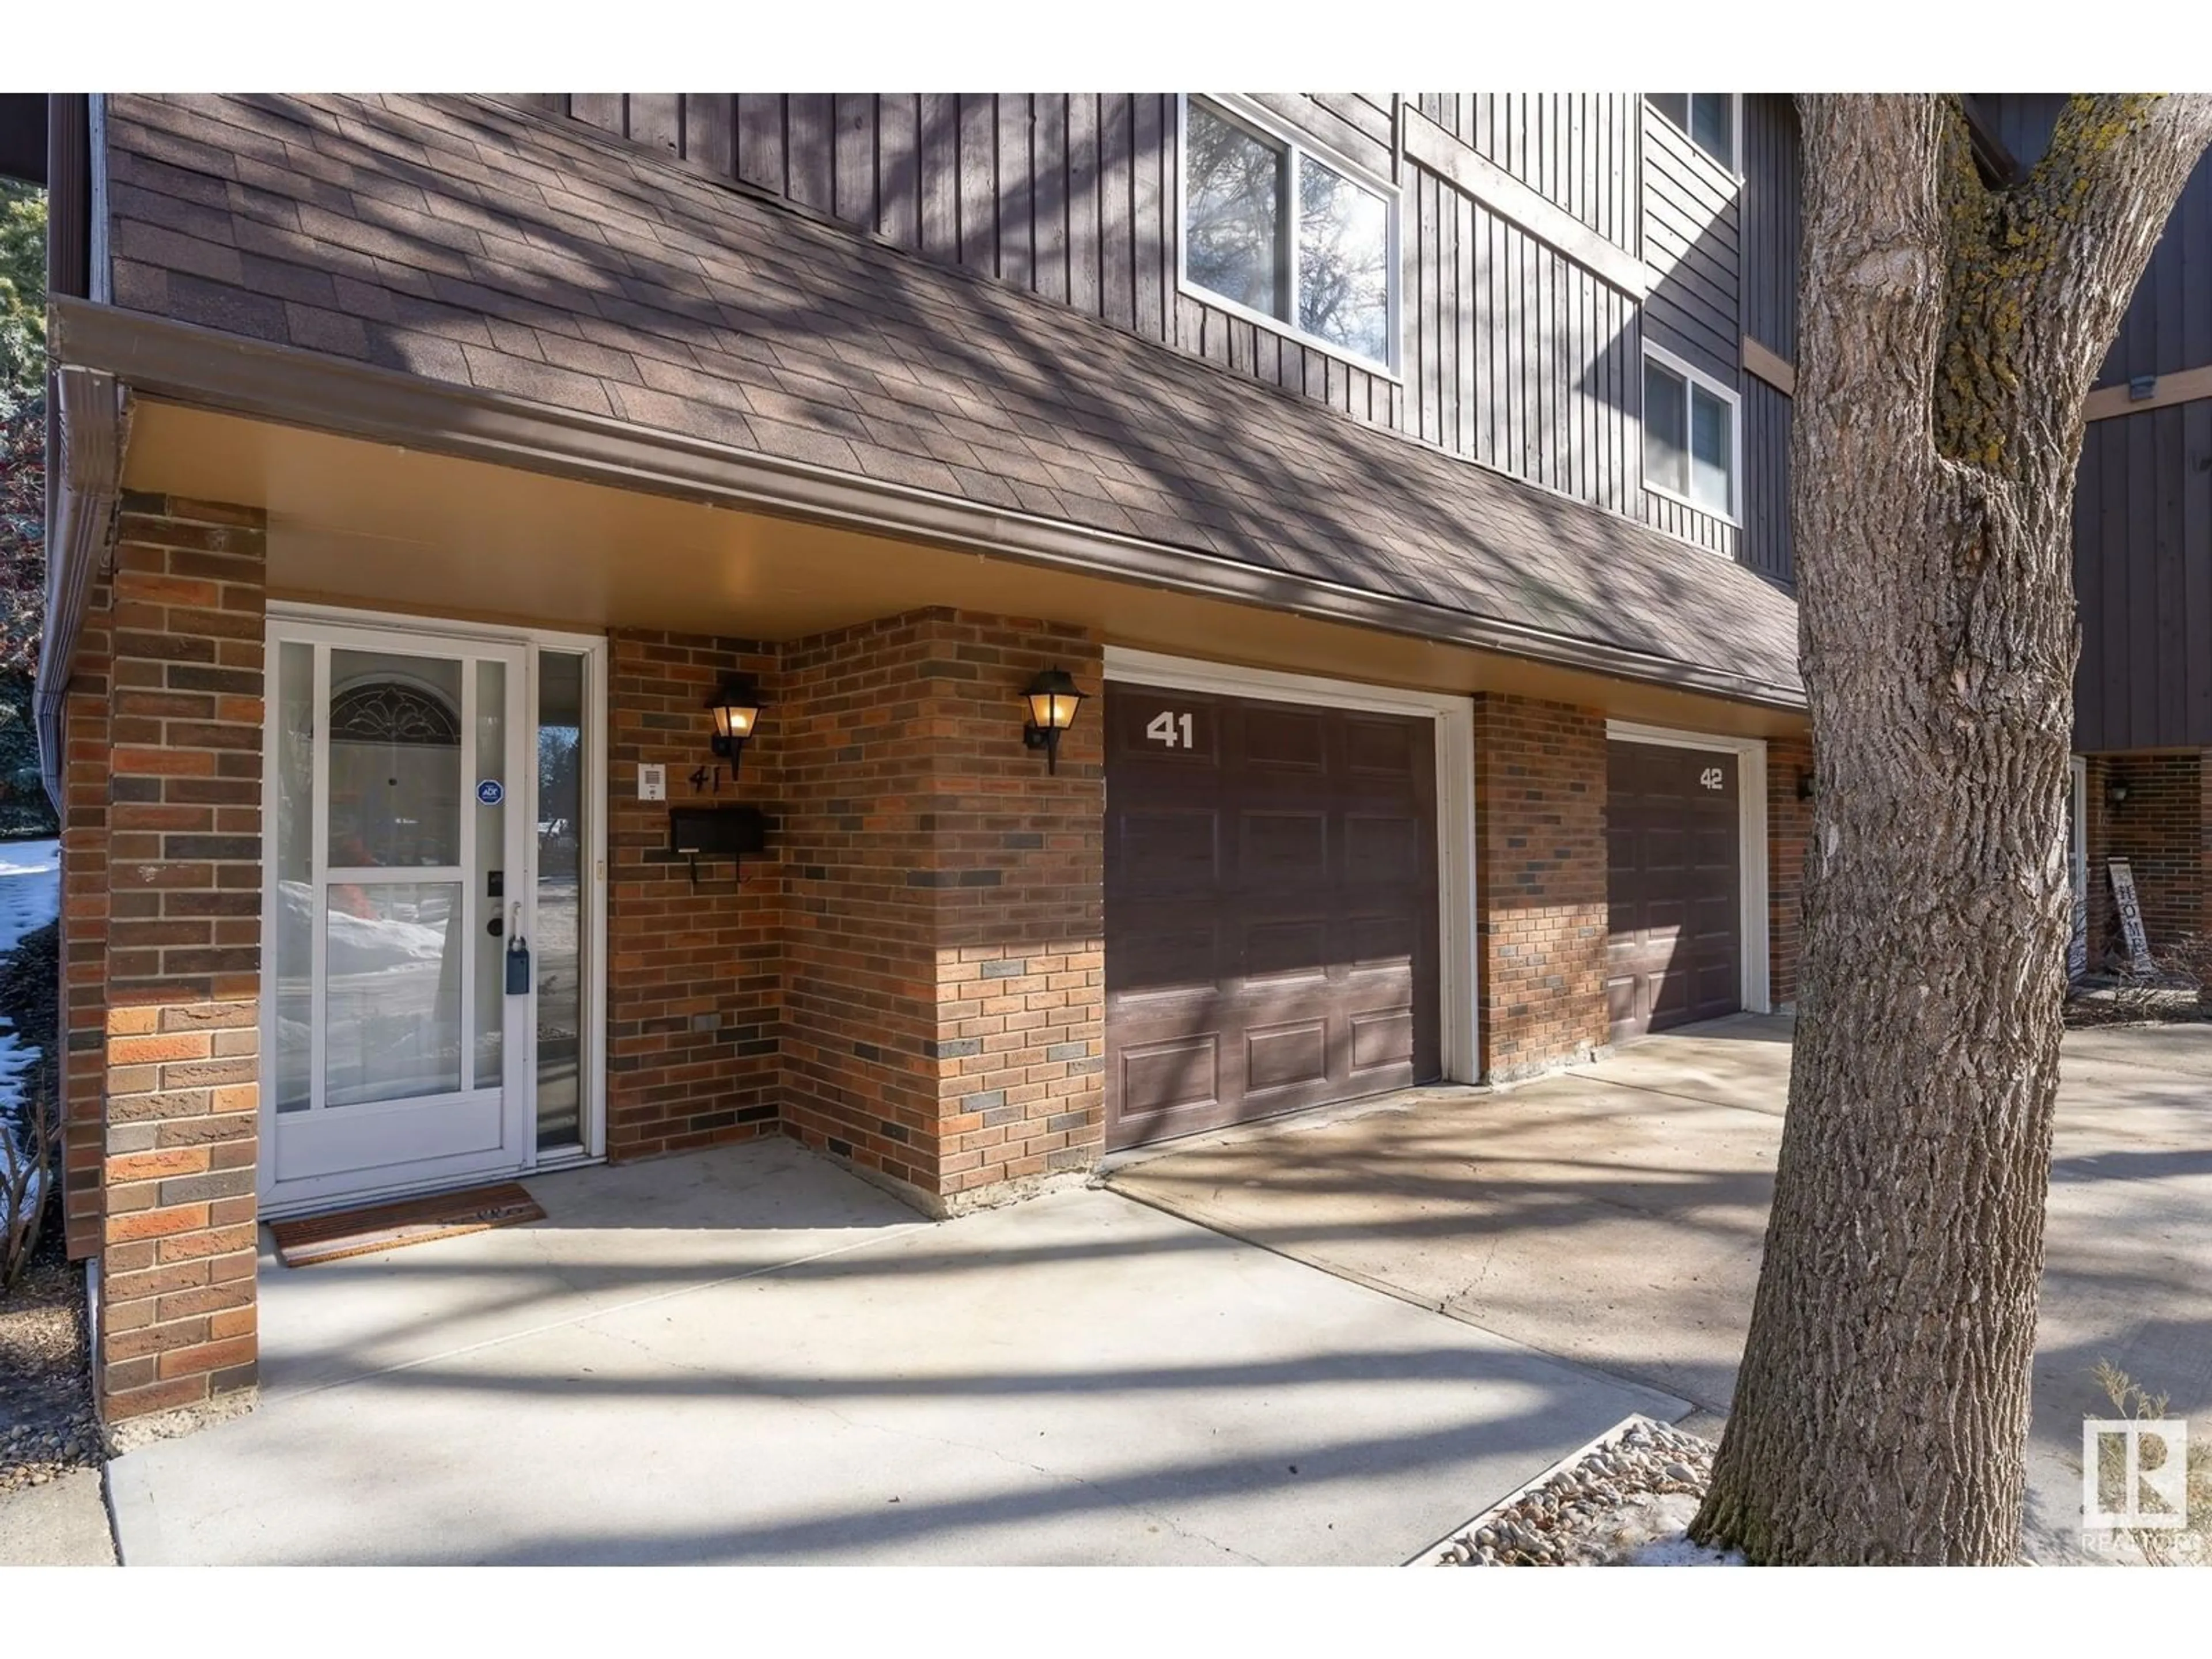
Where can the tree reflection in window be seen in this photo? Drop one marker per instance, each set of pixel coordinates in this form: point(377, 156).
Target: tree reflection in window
point(1234, 217)
point(1344, 262)
point(1324, 268)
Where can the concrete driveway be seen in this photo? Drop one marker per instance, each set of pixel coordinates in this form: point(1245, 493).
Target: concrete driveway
point(749, 1356)
point(1614, 1217)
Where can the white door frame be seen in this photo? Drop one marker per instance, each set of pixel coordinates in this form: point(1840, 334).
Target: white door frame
point(296, 618)
point(1751, 819)
point(1455, 757)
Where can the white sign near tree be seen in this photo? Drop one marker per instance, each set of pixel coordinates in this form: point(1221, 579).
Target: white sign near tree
point(2131, 921)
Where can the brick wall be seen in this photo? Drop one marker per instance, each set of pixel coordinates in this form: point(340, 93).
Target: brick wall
point(1539, 771)
point(911, 978)
point(83, 931)
point(693, 998)
point(852, 740)
point(1789, 834)
point(2164, 830)
point(944, 983)
point(177, 1321)
point(1020, 911)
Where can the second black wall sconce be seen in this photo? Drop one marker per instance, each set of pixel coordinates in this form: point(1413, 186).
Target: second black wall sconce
point(1052, 699)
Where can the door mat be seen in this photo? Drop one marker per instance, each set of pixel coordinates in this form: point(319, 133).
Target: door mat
point(319, 1238)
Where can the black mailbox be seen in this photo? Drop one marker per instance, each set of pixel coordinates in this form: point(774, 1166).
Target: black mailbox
point(716, 832)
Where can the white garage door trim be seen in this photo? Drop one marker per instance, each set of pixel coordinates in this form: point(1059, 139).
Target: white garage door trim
point(1751, 778)
point(1455, 750)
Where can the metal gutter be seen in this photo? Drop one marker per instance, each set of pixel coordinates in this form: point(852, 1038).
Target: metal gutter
point(204, 368)
point(83, 481)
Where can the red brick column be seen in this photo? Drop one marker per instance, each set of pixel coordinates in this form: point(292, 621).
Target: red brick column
point(1789, 834)
point(860, 1053)
point(945, 993)
point(83, 932)
point(1020, 901)
point(1540, 772)
point(694, 986)
point(177, 1321)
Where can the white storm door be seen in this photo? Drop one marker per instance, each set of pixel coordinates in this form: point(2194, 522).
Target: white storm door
point(397, 867)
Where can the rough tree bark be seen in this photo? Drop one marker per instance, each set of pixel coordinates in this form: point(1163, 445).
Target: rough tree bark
point(1947, 336)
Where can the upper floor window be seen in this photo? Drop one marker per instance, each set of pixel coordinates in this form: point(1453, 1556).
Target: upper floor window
point(1708, 117)
point(1689, 434)
point(1272, 229)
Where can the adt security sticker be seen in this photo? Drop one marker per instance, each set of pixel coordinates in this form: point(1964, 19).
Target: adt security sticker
point(490, 791)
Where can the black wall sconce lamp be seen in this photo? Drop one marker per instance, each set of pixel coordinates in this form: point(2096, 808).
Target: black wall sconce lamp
point(737, 708)
point(2116, 793)
point(1052, 700)
point(1804, 785)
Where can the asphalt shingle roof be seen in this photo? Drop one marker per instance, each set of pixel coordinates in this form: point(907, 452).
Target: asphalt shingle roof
point(471, 242)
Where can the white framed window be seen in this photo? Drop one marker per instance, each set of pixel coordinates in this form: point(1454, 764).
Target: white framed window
point(1692, 434)
point(1708, 117)
point(1286, 234)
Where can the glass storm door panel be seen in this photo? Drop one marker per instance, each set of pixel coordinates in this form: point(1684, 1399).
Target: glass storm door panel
point(399, 867)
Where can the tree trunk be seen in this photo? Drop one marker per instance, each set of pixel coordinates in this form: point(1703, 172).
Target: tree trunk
point(1947, 335)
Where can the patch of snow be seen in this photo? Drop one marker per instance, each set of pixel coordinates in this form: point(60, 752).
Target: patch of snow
point(30, 898)
point(1675, 1550)
point(30, 887)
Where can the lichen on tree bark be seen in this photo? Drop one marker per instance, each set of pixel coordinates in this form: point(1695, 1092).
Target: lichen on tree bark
point(1948, 333)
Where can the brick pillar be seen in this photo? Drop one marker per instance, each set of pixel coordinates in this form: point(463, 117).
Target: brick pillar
point(1539, 771)
point(177, 1320)
point(84, 933)
point(860, 1051)
point(945, 993)
point(1020, 959)
point(1789, 833)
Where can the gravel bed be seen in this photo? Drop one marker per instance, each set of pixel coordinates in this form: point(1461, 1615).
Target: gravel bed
point(1624, 1501)
point(47, 1422)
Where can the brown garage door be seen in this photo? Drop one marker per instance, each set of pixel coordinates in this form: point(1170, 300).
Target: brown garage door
point(1673, 950)
point(1271, 909)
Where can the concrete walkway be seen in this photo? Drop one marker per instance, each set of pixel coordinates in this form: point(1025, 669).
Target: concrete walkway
point(63, 1524)
point(748, 1356)
point(1614, 1216)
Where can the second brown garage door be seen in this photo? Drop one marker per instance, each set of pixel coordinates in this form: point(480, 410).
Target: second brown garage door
point(1271, 909)
point(1674, 942)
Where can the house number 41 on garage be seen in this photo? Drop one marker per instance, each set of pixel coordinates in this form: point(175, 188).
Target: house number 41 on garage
point(1171, 728)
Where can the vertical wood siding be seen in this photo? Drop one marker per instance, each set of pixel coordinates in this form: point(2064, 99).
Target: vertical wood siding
point(1772, 208)
point(1512, 355)
point(1581, 150)
point(2143, 498)
point(1773, 205)
point(1693, 240)
point(1766, 545)
point(2142, 576)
